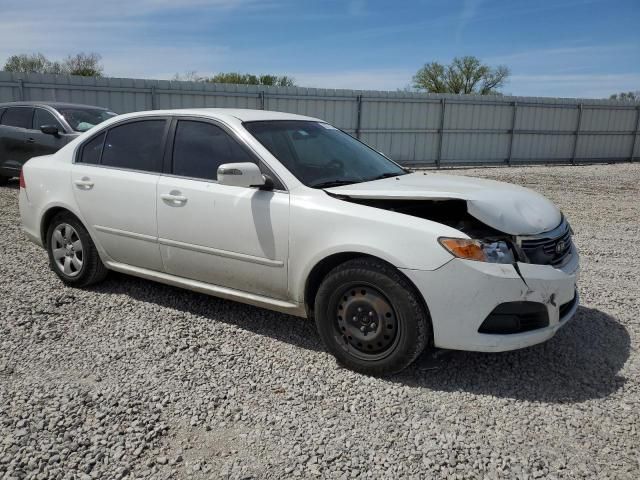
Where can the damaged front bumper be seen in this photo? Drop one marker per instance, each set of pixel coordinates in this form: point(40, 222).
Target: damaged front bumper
point(462, 294)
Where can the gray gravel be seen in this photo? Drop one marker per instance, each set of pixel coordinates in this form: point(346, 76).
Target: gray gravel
point(132, 379)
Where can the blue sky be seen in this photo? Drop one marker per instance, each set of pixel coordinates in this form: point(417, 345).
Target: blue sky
point(569, 48)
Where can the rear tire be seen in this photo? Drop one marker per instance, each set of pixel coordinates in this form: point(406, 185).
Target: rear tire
point(3, 180)
point(72, 254)
point(371, 318)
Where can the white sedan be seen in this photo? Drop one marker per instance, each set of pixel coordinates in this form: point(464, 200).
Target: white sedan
point(289, 213)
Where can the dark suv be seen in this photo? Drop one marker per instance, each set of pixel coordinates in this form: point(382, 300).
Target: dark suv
point(30, 129)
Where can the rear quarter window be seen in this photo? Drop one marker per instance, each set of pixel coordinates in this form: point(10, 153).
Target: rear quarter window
point(92, 150)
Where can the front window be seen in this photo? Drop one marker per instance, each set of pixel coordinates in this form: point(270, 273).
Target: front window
point(82, 119)
point(320, 155)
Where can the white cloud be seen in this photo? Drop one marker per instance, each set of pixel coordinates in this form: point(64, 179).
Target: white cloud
point(163, 62)
point(571, 86)
point(356, 79)
point(357, 7)
point(564, 59)
point(467, 14)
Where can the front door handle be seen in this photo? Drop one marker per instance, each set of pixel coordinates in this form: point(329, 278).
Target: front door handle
point(30, 140)
point(84, 183)
point(174, 198)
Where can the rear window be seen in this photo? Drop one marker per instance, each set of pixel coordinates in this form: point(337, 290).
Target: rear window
point(137, 146)
point(18, 117)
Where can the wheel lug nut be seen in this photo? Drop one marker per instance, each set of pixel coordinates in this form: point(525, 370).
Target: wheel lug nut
point(373, 326)
point(359, 309)
point(355, 318)
point(371, 314)
point(363, 328)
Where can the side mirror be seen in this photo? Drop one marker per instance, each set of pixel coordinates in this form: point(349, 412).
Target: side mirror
point(244, 174)
point(49, 129)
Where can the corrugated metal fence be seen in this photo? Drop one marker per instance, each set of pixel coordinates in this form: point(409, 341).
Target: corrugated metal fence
point(412, 128)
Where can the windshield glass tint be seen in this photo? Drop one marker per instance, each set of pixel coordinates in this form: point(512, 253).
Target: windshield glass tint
point(82, 119)
point(320, 155)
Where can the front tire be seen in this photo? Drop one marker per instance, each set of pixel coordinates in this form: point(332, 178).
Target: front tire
point(3, 180)
point(371, 318)
point(72, 254)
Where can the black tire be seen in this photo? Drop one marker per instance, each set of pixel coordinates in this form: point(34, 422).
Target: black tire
point(4, 180)
point(92, 269)
point(363, 289)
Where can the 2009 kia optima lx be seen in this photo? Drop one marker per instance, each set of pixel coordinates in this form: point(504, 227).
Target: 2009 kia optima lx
point(291, 214)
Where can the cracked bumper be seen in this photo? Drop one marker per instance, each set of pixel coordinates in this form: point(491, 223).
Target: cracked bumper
point(462, 293)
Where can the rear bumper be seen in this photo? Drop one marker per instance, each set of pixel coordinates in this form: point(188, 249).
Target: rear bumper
point(29, 218)
point(461, 294)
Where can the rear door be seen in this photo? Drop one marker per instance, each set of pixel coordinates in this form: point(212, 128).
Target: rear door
point(14, 150)
point(39, 143)
point(114, 180)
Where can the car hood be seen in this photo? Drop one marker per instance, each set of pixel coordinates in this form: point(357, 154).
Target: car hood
point(506, 207)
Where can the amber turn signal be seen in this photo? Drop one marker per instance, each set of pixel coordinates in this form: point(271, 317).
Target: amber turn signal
point(464, 248)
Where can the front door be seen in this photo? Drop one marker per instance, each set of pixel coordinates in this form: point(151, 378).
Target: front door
point(42, 143)
point(227, 236)
point(114, 181)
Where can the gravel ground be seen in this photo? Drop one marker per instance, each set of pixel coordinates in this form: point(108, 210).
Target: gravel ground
point(132, 379)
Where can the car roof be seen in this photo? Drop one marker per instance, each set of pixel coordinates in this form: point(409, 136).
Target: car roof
point(242, 114)
point(52, 104)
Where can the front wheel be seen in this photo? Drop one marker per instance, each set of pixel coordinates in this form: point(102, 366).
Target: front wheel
point(371, 318)
point(72, 254)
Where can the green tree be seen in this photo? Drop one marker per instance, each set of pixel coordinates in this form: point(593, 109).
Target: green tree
point(250, 79)
point(464, 75)
point(84, 64)
point(626, 96)
point(31, 63)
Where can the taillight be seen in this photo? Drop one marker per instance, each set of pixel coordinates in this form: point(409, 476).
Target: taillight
point(22, 184)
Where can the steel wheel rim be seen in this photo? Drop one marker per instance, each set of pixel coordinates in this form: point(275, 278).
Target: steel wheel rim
point(67, 250)
point(367, 324)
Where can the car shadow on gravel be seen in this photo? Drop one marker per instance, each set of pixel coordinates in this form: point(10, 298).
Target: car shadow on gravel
point(12, 184)
point(282, 327)
point(580, 363)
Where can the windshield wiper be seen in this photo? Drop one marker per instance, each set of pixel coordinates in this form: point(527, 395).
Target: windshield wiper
point(386, 175)
point(334, 183)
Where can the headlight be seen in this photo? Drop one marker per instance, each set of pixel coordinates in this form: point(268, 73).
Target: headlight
point(481, 251)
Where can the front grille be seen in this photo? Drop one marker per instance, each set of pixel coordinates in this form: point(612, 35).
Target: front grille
point(550, 248)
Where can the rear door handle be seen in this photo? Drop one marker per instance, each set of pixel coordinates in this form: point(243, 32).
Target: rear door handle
point(174, 198)
point(30, 140)
point(84, 183)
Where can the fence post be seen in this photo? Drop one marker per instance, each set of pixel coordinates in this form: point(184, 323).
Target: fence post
point(153, 98)
point(441, 132)
point(261, 97)
point(21, 89)
point(513, 128)
point(576, 135)
point(635, 134)
point(358, 115)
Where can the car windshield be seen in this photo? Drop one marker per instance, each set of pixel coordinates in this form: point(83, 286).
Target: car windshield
point(82, 119)
point(320, 155)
